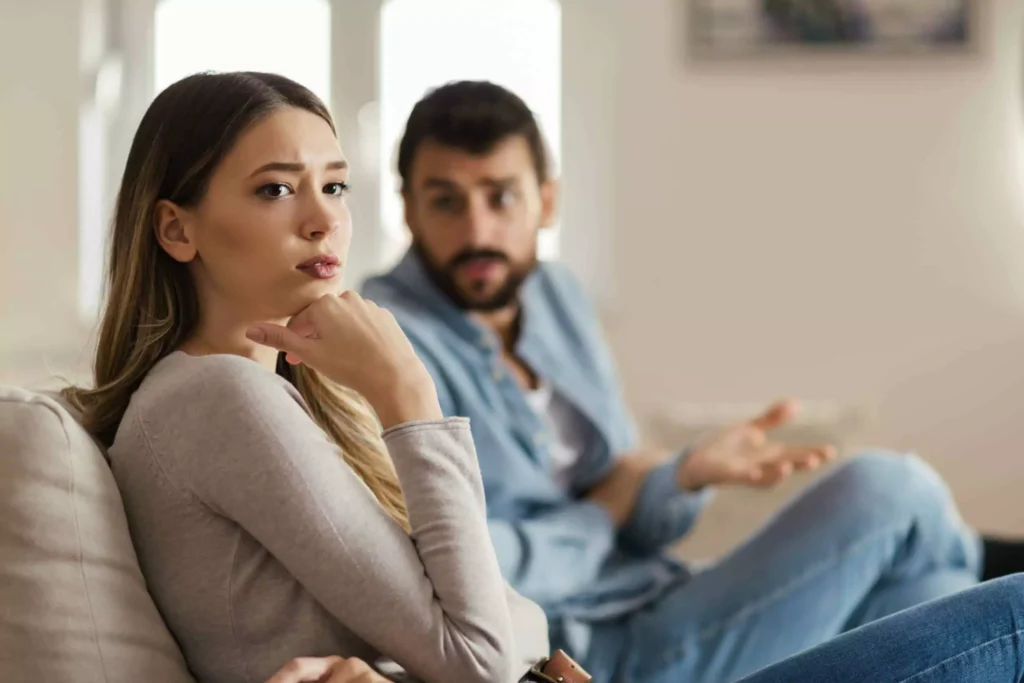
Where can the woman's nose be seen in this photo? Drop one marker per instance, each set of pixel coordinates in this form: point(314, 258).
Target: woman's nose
point(319, 231)
point(320, 223)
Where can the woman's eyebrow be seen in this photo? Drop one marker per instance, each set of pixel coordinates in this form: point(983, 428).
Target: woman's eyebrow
point(338, 165)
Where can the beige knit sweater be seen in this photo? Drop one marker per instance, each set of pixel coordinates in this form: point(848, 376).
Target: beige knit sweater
point(260, 544)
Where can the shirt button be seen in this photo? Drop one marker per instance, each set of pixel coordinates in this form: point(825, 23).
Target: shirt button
point(498, 374)
point(539, 438)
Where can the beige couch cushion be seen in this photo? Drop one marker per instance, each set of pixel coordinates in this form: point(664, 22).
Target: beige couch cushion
point(73, 604)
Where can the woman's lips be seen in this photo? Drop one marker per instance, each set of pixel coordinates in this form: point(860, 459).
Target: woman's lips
point(322, 267)
point(321, 271)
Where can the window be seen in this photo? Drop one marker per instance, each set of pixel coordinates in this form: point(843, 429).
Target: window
point(91, 225)
point(188, 36)
point(425, 43)
point(292, 39)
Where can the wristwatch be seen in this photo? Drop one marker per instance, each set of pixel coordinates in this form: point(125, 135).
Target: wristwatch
point(558, 668)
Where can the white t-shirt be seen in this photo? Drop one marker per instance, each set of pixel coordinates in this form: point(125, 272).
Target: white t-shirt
point(567, 430)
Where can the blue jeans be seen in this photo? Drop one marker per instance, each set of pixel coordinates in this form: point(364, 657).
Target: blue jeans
point(976, 636)
point(877, 535)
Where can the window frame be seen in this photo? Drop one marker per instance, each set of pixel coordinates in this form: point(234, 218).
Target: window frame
point(588, 109)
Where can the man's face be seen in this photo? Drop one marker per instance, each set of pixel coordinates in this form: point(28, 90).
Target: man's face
point(474, 219)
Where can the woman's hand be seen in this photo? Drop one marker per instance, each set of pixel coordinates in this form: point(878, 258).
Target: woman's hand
point(359, 345)
point(326, 670)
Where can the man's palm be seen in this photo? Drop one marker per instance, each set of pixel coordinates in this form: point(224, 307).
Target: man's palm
point(744, 455)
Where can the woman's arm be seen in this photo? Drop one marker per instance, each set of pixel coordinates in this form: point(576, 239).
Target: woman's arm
point(433, 601)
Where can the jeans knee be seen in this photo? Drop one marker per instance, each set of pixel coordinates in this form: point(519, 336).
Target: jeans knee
point(903, 495)
point(894, 478)
point(1012, 588)
point(1008, 592)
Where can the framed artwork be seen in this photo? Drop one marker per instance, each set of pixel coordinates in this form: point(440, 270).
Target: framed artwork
point(721, 28)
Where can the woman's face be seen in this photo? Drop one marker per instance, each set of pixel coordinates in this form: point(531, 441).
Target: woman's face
point(271, 234)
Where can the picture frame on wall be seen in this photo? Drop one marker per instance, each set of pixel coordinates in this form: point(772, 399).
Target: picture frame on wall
point(731, 28)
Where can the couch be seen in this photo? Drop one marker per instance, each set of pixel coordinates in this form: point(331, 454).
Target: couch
point(73, 604)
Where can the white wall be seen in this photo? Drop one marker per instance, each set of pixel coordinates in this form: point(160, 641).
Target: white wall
point(840, 228)
point(847, 229)
point(589, 177)
point(39, 95)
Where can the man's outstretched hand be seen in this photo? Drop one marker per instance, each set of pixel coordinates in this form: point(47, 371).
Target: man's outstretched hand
point(744, 455)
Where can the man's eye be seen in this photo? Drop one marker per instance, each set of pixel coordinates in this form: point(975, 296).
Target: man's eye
point(503, 199)
point(274, 191)
point(445, 203)
point(337, 189)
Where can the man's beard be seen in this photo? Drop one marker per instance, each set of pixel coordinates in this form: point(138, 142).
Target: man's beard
point(444, 277)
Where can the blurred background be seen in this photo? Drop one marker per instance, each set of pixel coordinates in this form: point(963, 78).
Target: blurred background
point(834, 216)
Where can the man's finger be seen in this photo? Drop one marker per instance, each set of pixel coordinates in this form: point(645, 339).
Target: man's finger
point(810, 461)
point(814, 457)
point(756, 477)
point(742, 473)
point(775, 452)
point(304, 670)
point(278, 337)
point(769, 475)
point(802, 455)
point(778, 414)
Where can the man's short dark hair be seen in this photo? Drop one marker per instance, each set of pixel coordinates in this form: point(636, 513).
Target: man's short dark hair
point(473, 116)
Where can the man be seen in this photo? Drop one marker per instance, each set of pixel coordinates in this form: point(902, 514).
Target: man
point(580, 518)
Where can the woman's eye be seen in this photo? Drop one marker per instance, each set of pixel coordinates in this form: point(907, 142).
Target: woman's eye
point(336, 189)
point(274, 190)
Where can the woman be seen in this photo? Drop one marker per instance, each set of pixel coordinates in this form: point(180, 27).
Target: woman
point(270, 516)
point(265, 508)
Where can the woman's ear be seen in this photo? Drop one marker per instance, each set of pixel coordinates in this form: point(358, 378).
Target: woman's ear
point(549, 191)
point(172, 225)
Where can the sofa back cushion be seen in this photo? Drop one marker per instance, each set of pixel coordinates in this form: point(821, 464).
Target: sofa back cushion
point(73, 604)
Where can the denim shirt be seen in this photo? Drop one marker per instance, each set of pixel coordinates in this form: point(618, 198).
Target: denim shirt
point(554, 546)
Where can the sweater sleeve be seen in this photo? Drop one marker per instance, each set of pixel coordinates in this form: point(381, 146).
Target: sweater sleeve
point(433, 600)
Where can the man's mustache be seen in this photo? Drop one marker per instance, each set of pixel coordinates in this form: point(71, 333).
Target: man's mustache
point(467, 255)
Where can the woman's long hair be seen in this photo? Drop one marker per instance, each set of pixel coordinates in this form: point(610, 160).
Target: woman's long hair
point(152, 307)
